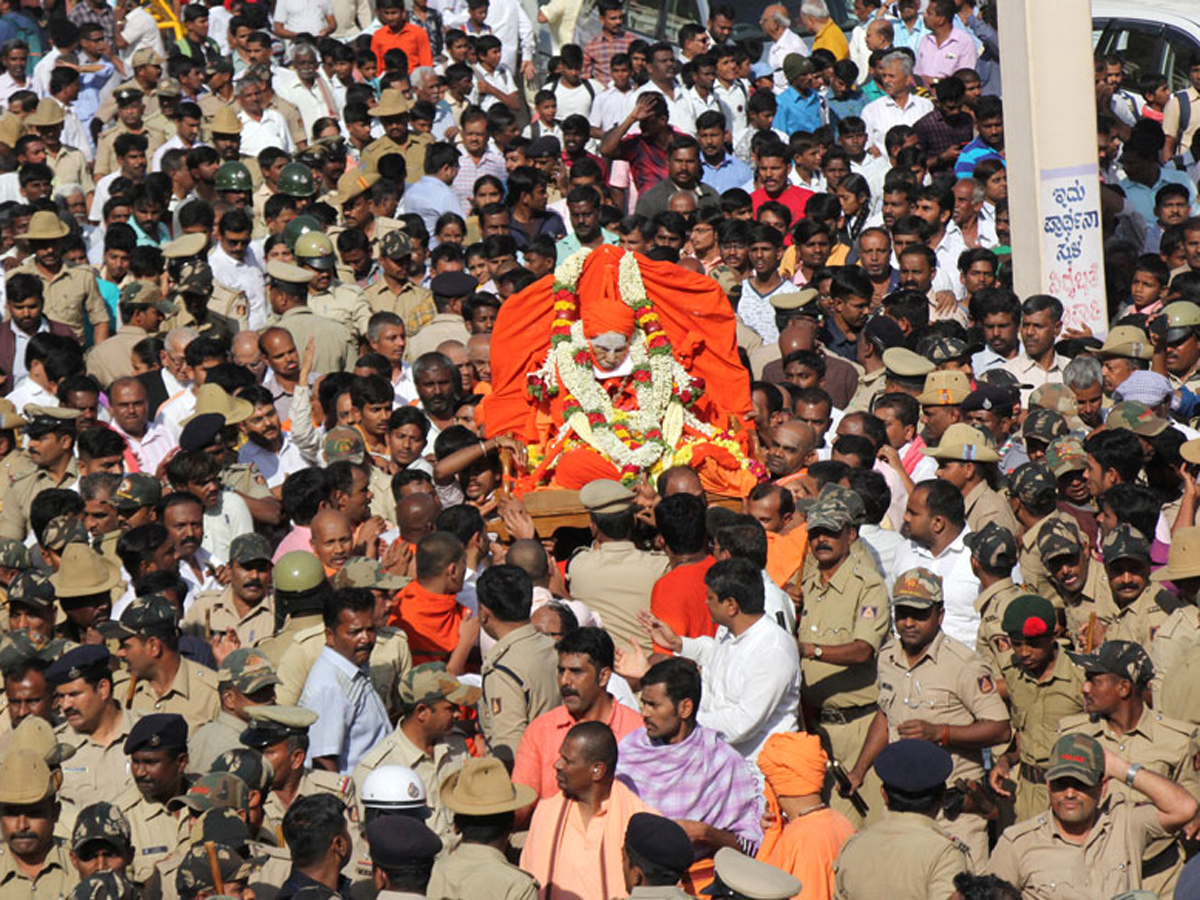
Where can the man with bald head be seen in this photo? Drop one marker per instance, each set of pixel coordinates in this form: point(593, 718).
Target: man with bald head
point(799, 332)
point(776, 23)
point(245, 352)
point(282, 359)
point(679, 480)
point(415, 514)
point(530, 555)
point(790, 449)
point(479, 352)
point(332, 539)
point(456, 352)
point(439, 628)
point(130, 409)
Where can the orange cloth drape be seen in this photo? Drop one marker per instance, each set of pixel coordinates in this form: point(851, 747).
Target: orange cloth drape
point(785, 554)
point(430, 620)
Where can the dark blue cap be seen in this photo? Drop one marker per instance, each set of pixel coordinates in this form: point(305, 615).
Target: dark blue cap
point(453, 284)
point(400, 841)
point(201, 431)
point(659, 840)
point(84, 660)
point(913, 766)
point(157, 730)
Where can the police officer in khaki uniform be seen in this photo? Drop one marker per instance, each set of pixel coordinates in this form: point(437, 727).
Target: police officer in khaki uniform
point(142, 310)
point(147, 74)
point(968, 460)
point(131, 119)
point(193, 289)
point(1080, 582)
point(613, 577)
point(1113, 832)
point(843, 624)
point(27, 791)
point(223, 301)
point(1116, 716)
point(160, 679)
point(1044, 688)
point(394, 292)
point(933, 688)
point(390, 659)
point(788, 305)
point(878, 336)
point(157, 751)
point(520, 671)
point(69, 164)
point(51, 434)
point(287, 291)
point(327, 296)
point(423, 741)
point(993, 556)
point(1183, 343)
point(906, 371)
point(280, 734)
point(906, 853)
point(483, 788)
point(86, 584)
point(450, 290)
point(71, 292)
point(16, 461)
point(300, 592)
point(392, 112)
point(96, 725)
point(245, 679)
point(169, 94)
point(1179, 636)
point(246, 606)
point(1142, 606)
point(353, 198)
point(1033, 492)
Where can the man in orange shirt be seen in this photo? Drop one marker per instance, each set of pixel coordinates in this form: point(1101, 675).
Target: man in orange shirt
point(439, 628)
point(678, 597)
point(576, 837)
point(585, 663)
point(398, 32)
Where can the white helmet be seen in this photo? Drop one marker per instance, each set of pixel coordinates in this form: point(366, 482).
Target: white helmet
point(393, 788)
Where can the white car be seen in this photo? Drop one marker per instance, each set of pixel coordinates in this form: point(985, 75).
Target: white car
point(1152, 36)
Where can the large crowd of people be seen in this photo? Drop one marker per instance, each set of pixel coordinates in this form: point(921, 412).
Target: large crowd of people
point(880, 583)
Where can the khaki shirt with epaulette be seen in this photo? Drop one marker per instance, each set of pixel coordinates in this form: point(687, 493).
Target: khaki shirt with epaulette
point(397, 750)
point(1095, 597)
point(15, 464)
point(192, 694)
point(383, 501)
point(245, 479)
point(520, 682)
point(346, 304)
point(70, 166)
point(379, 227)
point(14, 515)
point(390, 661)
point(212, 739)
point(155, 831)
point(1033, 570)
point(991, 642)
point(108, 547)
point(902, 855)
point(273, 648)
point(985, 505)
point(92, 771)
point(312, 782)
point(413, 150)
point(210, 104)
point(1174, 640)
point(414, 304)
point(272, 865)
point(477, 870)
point(334, 344)
point(106, 154)
point(1140, 620)
point(851, 606)
point(230, 304)
point(291, 115)
point(54, 881)
point(214, 325)
point(1033, 856)
point(72, 296)
point(108, 106)
point(162, 123)
point(870, 387)
point(215, 612)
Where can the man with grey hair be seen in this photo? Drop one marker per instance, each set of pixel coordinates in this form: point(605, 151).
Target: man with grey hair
point(388, 337)
point(827, 34)
point(1085, 377)
point(261, 127)
point(776, 24)
point(175, 373)
point(899, 105)
point(305, 85)
point(246, 352)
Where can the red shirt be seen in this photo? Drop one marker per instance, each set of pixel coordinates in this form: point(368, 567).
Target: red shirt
point(794, 198)
point(679, 599)
point(412, 39)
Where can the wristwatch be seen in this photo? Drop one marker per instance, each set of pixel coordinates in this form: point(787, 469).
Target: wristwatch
point(1132, 773)
point(817, 651)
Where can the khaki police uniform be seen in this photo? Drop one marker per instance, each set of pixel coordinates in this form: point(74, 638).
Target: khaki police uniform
point(212, 739)
point(291, 115)
point(216, 612)
point(1033, 856)
point(444, 327)
point(870, 387)
point(14, 464)
point(901, 855)
point(1174, 641)
point(390, 661)
point(383, 501)
point(397, 750)
point(520, 682)
point(273, 649)
point(985, 505)
point(1095, 597)
point(92, 773)
point(214, 324)
point(335, 347)
point(155, 831)
point(1033, 570)
point(108, 546)
point(1165, 746)
point(413, 150)
point(161, 123)
point(108, 106)
point(414, 304)
point(71, 295)
point(70, 166)
point(991, 643)
point(1038, 706)
point(192, 694)
point(210, 104)
point(477, 870)
point(53, 881)
point(345, 304)
point(948, 685)
point(614, 578)
point(1140, 621)
point(106, 154)
point(851, 606)
point(14, 515)
point(245, 479)
point(312, 782)
point(271, 866)
point(111, 359)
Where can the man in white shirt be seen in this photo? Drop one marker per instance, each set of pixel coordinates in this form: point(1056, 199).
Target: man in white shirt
point(306, 87)
point(751, 675)
point(662, 66)
point(508, 22)
point(935, 524)
point(261, 128)
point(234, 264)
point(266, 444)
point(136, 29)
point(777, 26)
point(1037, 363)
point(899, 106)
point(47, 363)
point(296, 17)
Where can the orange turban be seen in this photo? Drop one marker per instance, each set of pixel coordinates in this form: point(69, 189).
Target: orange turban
point(793, 764)
point(605, 312)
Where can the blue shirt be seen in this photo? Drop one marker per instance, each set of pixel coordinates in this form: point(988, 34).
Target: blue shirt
point(796, 113)
point(972, 155)
point(1141, 197)
point(351, 717)
point(429, 198)
point(844, 109)
point(729, 173)
point(569, 244)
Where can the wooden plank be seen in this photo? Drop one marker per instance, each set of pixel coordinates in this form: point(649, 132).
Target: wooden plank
point(553, 509)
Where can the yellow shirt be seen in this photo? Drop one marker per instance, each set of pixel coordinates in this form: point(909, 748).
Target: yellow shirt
point(832, 39)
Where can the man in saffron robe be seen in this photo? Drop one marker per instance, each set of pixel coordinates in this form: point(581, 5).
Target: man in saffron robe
point(439, 629)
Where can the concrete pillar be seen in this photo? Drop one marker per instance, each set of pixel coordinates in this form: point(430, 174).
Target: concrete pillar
point(1050, 140)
